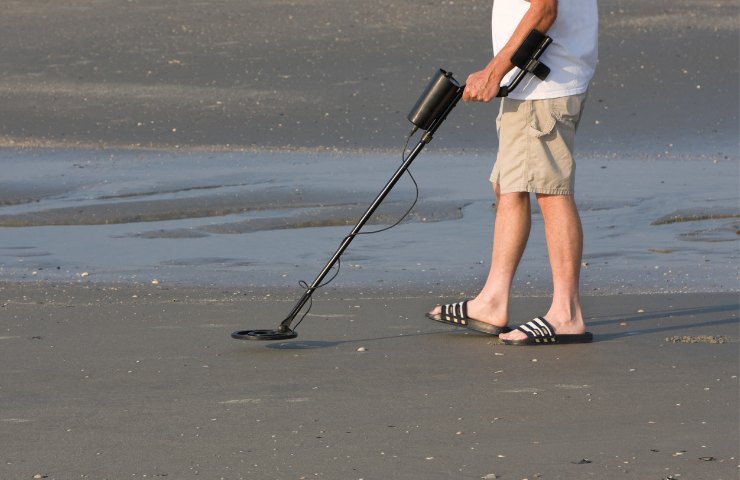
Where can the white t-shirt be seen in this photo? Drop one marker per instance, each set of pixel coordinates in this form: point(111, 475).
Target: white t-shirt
point(571, 56)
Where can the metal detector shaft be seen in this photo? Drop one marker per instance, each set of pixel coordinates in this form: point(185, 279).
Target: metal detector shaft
point(426, 138)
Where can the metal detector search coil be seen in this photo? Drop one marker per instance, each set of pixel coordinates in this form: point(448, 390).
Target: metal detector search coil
point(279, 334)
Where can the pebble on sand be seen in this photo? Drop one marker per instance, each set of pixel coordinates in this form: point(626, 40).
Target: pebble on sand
point(713, 339)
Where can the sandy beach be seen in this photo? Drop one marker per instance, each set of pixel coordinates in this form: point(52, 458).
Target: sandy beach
point(121, 382)
point(171, 170)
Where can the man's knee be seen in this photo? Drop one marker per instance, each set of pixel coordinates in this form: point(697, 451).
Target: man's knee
point(557, 205)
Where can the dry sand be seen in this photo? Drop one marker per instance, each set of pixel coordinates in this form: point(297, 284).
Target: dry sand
point(338, 74)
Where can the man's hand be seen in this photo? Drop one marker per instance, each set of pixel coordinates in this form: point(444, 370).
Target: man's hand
point(481, 86)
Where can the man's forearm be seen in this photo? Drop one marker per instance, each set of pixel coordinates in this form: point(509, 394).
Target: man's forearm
point(540, 16)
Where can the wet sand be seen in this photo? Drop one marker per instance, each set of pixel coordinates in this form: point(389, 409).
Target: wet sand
point(171, 170)
point(272, 219)
point(144, 382)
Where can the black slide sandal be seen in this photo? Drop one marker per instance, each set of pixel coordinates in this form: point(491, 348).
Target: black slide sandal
point(540, 332)
point(456, 314)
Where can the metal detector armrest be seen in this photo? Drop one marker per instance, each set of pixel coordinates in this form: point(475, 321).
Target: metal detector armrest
point(526, 58)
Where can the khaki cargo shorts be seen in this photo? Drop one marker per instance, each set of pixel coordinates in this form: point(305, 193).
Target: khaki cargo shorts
point(536, 140)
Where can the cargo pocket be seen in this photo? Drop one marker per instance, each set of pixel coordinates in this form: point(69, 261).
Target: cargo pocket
point(541, 118)
point(568, 109)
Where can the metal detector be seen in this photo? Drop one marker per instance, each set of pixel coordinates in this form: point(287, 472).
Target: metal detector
point(438, 99)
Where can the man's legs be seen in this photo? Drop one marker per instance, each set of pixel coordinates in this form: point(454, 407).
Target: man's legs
point(564, 236)
point(535, 144)
point(511, 231)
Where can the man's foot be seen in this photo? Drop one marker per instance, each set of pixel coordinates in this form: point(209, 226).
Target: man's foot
point(474, 314)
point(542, 331)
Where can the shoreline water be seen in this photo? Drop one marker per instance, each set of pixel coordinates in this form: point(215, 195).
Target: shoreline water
point(272, 219)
